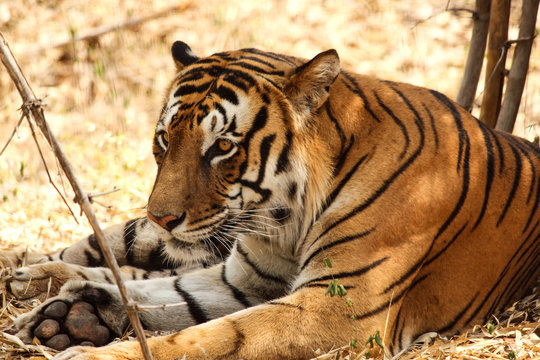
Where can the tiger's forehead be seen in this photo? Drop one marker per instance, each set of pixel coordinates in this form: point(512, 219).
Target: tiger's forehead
point(210, 111)
point(221, 93)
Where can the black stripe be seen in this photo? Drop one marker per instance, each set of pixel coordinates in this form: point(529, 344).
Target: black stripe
point(293, 188)
point(256, 59)
point(91, 261)
point(264, 150)
point(258, 271)
point(458, 316)
point(433, 128)
point(526, 278)
point(158, 259)
point(208, 60)
point(525, 153)
point(343, 156)
point(271, 55)
point(490, 172)
point(238, 295)
point(279, 303)
point(197, 313)
point(463, 147)
point(333, 195)
point(440, 252)
point(61, 256)
point(259, 122)
point(283, 163)
point(500, 150)
point(397, 120)
point(343, 240)
point(95, 261)
point(226, 94)
point(353, 86)
point(518, 280)
point(107, 278)
point(341, 133)
point(264, 193)
point(340, 275)
point(257, 69)
point(517, 177)
point(237, 82)
point(533, 211)
point(129, 240)
point(192, 89)
point(390, 302)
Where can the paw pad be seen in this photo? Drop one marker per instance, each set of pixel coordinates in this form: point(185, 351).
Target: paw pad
point(64, 326)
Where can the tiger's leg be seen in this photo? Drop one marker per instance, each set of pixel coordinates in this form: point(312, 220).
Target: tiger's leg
point(134, 242)
point(136, 245)
point(45, 280)
point(204, 294)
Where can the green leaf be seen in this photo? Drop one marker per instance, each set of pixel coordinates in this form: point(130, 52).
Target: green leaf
point(511, 355)
point(369, 341)
point(341, 291)
point(332, 288)
point(353, 343)
point(490, 328)
point(349, 302)
point(378, 339)
point(327, 262)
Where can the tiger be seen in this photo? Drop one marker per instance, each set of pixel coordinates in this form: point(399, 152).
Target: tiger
point(346, 206)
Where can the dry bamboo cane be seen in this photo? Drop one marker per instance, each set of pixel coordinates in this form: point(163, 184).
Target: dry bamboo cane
point(31, 105)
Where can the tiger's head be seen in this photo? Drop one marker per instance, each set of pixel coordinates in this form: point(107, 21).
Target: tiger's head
point(236, 148)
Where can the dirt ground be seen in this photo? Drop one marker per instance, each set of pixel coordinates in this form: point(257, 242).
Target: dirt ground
point(103, 97)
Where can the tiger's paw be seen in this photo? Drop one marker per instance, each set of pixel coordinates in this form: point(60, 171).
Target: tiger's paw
point(84, 313)
point(42, 280)
point(60, 325)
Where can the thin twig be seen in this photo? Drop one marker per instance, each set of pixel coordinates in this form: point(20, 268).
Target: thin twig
point(162, 307)
point(26, 113)
point(36, 111)
point(12, 134)
point(92, 197)
point(127, 24)
point(474, 15)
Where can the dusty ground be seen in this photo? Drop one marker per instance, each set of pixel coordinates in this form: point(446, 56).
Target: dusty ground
point(103, 98)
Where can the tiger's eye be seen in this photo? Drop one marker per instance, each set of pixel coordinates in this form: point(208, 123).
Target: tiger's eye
point(224, 145)
point(166, 138)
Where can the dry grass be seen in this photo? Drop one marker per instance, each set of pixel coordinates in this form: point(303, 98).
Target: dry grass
point(103, 98)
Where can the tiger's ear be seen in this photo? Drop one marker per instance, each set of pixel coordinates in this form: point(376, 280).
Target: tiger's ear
point(182, 55)
point(308, 85)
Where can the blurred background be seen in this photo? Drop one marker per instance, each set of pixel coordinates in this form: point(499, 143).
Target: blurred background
point(104, 94)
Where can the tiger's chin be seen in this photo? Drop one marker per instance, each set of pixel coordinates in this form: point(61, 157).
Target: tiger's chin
point(204, 250)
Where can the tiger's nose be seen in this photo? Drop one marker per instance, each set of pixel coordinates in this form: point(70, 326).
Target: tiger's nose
point(168, 222)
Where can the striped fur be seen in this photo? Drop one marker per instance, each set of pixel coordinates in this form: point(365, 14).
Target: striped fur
point(429, 218)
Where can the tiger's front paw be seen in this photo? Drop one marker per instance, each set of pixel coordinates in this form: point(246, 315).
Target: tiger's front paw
point(42, 280)
point(60, 325)
point(84, 313)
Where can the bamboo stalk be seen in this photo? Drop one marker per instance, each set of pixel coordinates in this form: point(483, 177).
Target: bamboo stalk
point(475, 57)
point(496, 59)
point(32, 106)
point(520, 66)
